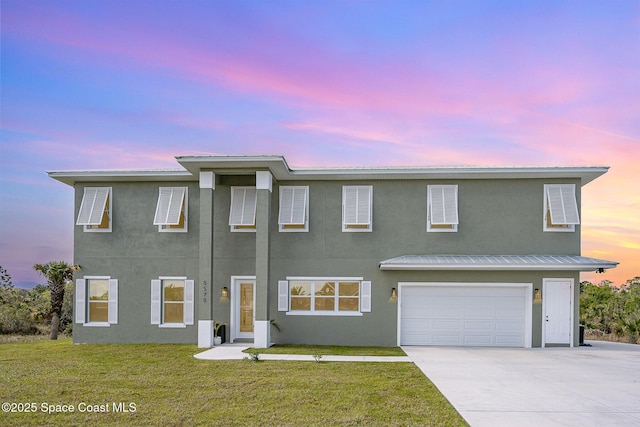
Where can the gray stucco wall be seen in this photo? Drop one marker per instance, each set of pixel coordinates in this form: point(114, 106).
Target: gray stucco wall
point(496, 217)
point(135, 253)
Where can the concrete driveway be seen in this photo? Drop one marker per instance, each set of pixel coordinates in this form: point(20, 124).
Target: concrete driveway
point(582, 386)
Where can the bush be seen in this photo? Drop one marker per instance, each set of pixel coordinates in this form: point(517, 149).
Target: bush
point(606, 310)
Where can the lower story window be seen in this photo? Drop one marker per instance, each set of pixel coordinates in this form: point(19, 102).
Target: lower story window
point(324, 296)
point(96, 301)
point(172, 301)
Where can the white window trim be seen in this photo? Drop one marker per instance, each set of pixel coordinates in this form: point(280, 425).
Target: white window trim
point(162, 225)
point(188, 303)
point(282, 224)
point(87, 224)
point(239, 227)
point(335, 312)
point(357, 227)
point(432, 228)
point(562, 228)
point(82, 302)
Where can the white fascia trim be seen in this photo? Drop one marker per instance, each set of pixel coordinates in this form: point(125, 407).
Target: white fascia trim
point(512, 267)
point(71, 177)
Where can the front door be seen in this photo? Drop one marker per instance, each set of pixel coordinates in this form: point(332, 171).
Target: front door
point(243, 300)
point(558, 311)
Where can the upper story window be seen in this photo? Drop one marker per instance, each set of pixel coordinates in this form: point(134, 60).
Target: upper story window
point(242, 215)
point(357, 203)
point(96, 301)
point(171, 211)
point(442, 208)
point(560, 208)
point(324, 296)
point(95, 209)
point(294, 209)
point(172, 302)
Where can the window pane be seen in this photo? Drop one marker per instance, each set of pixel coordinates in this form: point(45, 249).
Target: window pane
point(325, 289)
point(300, 289)
point(173, 290)
point(323, 304)
point(348, 304)
point(98, 311)
point(349, 289)
point(300, 303)
point(98, 290)
point(173, 312)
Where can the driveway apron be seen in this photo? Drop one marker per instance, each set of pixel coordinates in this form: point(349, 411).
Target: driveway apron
point(582, 386)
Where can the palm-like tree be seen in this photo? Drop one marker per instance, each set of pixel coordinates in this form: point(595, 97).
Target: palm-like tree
point(58, 273)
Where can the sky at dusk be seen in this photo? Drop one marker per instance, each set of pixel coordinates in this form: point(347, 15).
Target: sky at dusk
point(132, 84)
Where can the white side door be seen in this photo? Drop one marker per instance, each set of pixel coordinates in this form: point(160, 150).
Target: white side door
point(557, 316)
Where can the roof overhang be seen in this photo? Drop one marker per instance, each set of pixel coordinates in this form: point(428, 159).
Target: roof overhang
point(71, 177)
point(496, 262)
point(277, 165)
point(281, 171)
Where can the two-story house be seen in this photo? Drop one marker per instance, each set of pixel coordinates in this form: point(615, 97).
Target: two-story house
point(477, 256)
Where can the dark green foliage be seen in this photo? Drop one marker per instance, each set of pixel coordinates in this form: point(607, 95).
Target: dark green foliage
point(610, 310)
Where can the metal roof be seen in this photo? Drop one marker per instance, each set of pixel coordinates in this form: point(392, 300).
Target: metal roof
point(496, 262)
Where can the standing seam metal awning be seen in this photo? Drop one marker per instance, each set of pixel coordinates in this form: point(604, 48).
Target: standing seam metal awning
point(496, 262)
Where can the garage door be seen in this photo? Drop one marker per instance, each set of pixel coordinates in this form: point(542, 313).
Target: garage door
point(465, 314)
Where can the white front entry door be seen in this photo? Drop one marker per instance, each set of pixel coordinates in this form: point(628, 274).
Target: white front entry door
point(557, 316)
point(243, 297)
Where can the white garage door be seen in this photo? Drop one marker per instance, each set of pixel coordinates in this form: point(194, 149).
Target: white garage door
point(465, 314)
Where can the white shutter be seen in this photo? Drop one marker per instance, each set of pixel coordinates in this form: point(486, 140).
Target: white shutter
point(169, 207)
point(561, 199)
point(365, 297)
point(443, 204)
point(356, 205)
point(81, 290)
point(162, 208)
point(188, 302)
point(243, 206)
point(92, 207)
point(99, 204)
point(293, 202)
point(155, 301)
point(88, 200)
point(113, 301)
point(283, 295)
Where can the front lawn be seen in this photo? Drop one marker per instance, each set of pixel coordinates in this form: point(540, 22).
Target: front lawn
point(164, 385)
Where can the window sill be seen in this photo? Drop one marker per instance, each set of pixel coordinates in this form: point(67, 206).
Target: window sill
point(172, 325)
point(97, 324)
point(324, 313)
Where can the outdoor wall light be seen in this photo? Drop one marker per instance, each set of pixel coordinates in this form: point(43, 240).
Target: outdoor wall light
point(224, 295)
point(537, 296)
point(394, 295)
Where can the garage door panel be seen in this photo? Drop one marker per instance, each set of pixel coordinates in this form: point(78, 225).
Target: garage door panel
point(471, 325)
point(478, 313)
point(473, 315)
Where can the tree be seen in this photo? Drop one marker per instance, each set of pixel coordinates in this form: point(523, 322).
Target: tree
point(57, 273)
point(5, 279)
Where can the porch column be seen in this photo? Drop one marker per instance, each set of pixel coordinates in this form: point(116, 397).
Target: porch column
point(261, 328)
point(203, 286)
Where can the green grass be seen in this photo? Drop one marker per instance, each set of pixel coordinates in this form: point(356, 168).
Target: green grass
point(170, 387)
point(330, 350)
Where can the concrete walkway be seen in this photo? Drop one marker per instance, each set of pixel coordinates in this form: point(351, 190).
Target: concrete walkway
point(235, 352)
point(583, 386)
